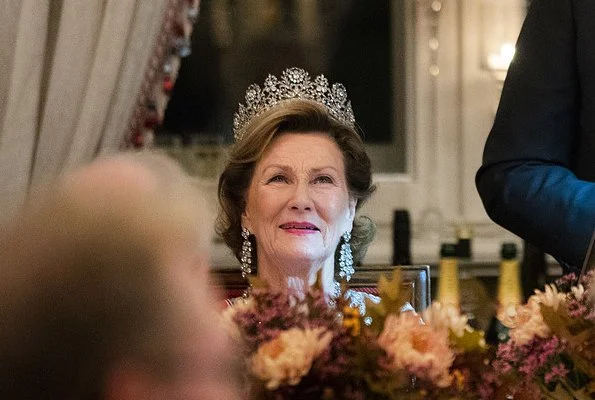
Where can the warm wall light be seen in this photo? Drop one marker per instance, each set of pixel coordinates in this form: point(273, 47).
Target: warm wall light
point(502, 59)
point(501, 22)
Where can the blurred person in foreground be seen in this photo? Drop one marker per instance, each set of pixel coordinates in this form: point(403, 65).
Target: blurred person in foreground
point(538, 172)
point(104, 290)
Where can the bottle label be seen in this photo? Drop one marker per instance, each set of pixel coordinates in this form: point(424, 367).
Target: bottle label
point(509, 286)
point(448, 282)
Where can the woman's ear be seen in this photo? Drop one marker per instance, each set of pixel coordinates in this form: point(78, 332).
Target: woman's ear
point(352, 205)
point(246, 221)
point(350, 215)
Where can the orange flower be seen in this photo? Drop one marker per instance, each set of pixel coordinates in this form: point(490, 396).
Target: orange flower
point(417, 348)
point(351, 320)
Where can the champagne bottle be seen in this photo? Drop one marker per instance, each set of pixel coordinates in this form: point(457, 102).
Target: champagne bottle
point(448, 281)
point(509, 293)
point(509, 287)
point(401, 238)
point(464, 235)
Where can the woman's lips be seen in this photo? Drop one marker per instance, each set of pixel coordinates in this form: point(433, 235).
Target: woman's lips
point(300, 228)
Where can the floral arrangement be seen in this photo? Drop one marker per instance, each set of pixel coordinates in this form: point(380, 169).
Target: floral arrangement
point(306, 348)
point(551, 350)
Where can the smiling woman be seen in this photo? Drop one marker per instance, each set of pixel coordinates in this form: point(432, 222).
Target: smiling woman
point(295, 178)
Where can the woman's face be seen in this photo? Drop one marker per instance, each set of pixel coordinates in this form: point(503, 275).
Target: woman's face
point(298, 205)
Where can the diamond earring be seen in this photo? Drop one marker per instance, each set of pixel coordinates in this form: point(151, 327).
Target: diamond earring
point(246, 255)
point(346, 258)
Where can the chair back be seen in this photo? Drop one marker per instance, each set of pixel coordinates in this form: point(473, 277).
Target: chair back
point(416, 281)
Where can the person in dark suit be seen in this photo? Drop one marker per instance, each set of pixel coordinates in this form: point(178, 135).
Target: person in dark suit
point(538, 172)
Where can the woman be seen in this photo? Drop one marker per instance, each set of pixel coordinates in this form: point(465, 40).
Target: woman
point(297, 174)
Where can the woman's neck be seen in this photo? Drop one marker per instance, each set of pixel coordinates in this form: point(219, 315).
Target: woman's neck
point(296, 279)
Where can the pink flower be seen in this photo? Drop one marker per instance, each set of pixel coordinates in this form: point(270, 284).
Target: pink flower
point(287, 358)
point(557, 371)
point(532, 359)
point(417, 348)
point(526, 322)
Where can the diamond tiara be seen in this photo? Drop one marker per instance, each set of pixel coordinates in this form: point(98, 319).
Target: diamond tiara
point(294, 83)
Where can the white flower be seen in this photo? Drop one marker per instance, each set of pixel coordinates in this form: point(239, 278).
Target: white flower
point(289, 357)
point(526, 321)
point(578, 291)
point(227, 316)
point(445, 316)
point(551, 297)
point(417, 348)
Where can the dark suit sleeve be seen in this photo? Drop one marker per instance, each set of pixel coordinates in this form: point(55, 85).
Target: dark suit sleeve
point(526, 181)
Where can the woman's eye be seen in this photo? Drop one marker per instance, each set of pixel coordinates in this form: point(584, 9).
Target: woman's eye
point(278, 178)
point(323, 179)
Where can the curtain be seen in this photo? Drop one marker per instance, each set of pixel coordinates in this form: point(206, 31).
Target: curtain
point(72, 77)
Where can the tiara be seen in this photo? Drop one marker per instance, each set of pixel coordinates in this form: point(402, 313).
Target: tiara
point(294, 83)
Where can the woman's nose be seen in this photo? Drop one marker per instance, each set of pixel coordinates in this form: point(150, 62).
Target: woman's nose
point(301, 199)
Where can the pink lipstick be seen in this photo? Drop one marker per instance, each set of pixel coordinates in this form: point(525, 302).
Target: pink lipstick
point(299, 228)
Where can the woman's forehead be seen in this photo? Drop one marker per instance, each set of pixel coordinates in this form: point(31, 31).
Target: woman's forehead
point(307, 146)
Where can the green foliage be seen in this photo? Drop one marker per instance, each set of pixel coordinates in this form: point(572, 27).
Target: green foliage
point(392, 299)
point(471, 340)
point(256, 283)
point(579, 335)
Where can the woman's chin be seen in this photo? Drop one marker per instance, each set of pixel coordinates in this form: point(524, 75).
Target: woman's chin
point(290, 240)
point(300, 248)
point(300, 263)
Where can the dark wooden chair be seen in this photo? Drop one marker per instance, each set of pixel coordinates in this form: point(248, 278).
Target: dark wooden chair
point(416, 281)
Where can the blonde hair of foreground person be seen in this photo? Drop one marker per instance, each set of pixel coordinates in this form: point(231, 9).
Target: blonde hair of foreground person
point(104, 293)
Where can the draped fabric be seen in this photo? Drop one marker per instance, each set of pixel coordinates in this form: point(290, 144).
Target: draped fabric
point(71, 75)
